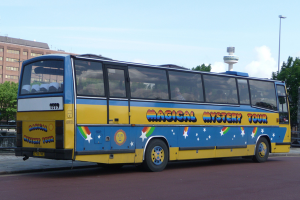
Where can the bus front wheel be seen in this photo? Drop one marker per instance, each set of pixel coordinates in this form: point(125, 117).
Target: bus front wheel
point(261, 151)
point(156, 156)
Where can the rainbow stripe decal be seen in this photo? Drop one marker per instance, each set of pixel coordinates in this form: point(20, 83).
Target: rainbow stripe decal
point(148, 130)
point(254, 132)
point(224, 130)
point(85, 133)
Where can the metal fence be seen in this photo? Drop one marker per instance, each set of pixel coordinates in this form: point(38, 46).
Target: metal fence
point(8, 136)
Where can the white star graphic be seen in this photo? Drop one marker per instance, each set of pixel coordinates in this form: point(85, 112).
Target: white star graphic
point(221, 132)
point(99, 136)
point(271, 138)
point(206, 138)
point(172, 130)
point(232, 138)
point(89, 137)
point(173, 133)
point(245, 142)
point(143, 136)
point(273, 135)
point(131, 143)
point(262, 130)
point(196, 134)
point(233, 135)
point(185, 134)
point(198, 139)
point(252, 135)
point(209, 136)
point(204, 129)
point(243, 133)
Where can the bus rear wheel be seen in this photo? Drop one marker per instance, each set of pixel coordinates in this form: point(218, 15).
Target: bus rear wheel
point(261, 151)
point(156, 156)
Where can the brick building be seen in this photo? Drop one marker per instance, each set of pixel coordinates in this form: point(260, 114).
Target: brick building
point(14, 51)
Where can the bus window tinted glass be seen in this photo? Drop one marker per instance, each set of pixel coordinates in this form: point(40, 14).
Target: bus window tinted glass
point(116, 83)
point(282, 98)
point(243, 91)
point(220, 89)
point(89, 78)
point(147, 83)
point(263, 94)
point(186, 86)
point(43, 77)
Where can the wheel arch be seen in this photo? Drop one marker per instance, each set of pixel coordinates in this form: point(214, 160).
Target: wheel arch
point(267, 138)
point(163, 138)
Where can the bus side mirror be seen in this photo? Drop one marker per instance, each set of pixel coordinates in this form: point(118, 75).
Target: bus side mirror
point(281, 99)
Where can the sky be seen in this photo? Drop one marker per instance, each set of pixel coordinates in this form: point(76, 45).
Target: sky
point(186, 33)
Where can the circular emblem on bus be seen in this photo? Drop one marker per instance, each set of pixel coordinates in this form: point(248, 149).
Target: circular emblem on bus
point(51, 127)
point(120, 137)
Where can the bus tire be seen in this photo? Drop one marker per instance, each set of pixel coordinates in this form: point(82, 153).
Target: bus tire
point(156, 156)
point(261, 151)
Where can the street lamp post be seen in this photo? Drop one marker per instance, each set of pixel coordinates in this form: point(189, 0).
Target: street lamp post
point(280, 17)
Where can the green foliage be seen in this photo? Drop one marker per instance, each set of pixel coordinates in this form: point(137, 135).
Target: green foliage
point(202, 67)
point(8, 100)
point(290, 74)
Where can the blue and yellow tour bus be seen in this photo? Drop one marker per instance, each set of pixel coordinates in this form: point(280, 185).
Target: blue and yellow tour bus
point(94, 109)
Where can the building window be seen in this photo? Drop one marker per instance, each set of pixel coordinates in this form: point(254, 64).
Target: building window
point(25, 53)
point(1, 50)
point(0, 58)
point(13, 51)
point(12, 59)
point(0, 66)
point(36, 54)
point(12, 68)
point(0, 75)
point(11, 77)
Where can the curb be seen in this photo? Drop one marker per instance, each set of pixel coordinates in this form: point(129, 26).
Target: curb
point(284, 154)
point(47, 169)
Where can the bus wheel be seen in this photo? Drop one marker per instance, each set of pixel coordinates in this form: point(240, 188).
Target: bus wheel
point(261, 151)
point(156, 156)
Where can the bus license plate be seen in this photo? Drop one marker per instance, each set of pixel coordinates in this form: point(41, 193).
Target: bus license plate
point(40, 154)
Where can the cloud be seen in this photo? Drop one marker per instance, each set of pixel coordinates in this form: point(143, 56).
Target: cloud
point(264, 64)
point(218, 67)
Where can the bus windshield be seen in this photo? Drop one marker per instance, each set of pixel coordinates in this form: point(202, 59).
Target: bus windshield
point(43, 77)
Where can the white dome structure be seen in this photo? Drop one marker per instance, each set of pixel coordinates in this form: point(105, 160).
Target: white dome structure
point(231, 58)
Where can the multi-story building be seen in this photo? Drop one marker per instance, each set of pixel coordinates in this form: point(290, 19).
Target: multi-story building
point(14, 51)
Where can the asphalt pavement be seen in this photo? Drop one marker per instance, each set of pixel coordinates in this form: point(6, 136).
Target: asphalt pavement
point(11, 164)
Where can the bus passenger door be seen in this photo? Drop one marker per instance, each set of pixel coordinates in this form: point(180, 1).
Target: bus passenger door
point(118, 105)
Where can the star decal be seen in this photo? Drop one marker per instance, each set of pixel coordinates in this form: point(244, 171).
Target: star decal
point(221, 132)
point(245, 142)
point(243, 133)
point(196, 134)
point(204, 129)
point(89, 137)
point(185, 134)
point(143, 136)
point(209, 136)
point(173, 132)
point(262, 130)
point(233, 135)
point(99, 136)
point(252, 135)
point(273, 135)
point(198, 139)
point(131, 143)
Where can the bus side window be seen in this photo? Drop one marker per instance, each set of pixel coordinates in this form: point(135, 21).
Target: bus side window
point(186, 86)
point(263, 94)
point(220, 89)
point(89, 78)
point(146, 83)
point(243, 91)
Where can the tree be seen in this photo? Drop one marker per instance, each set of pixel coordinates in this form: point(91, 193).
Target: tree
point(8, 100)
point(290, 74)
point(202, 67)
